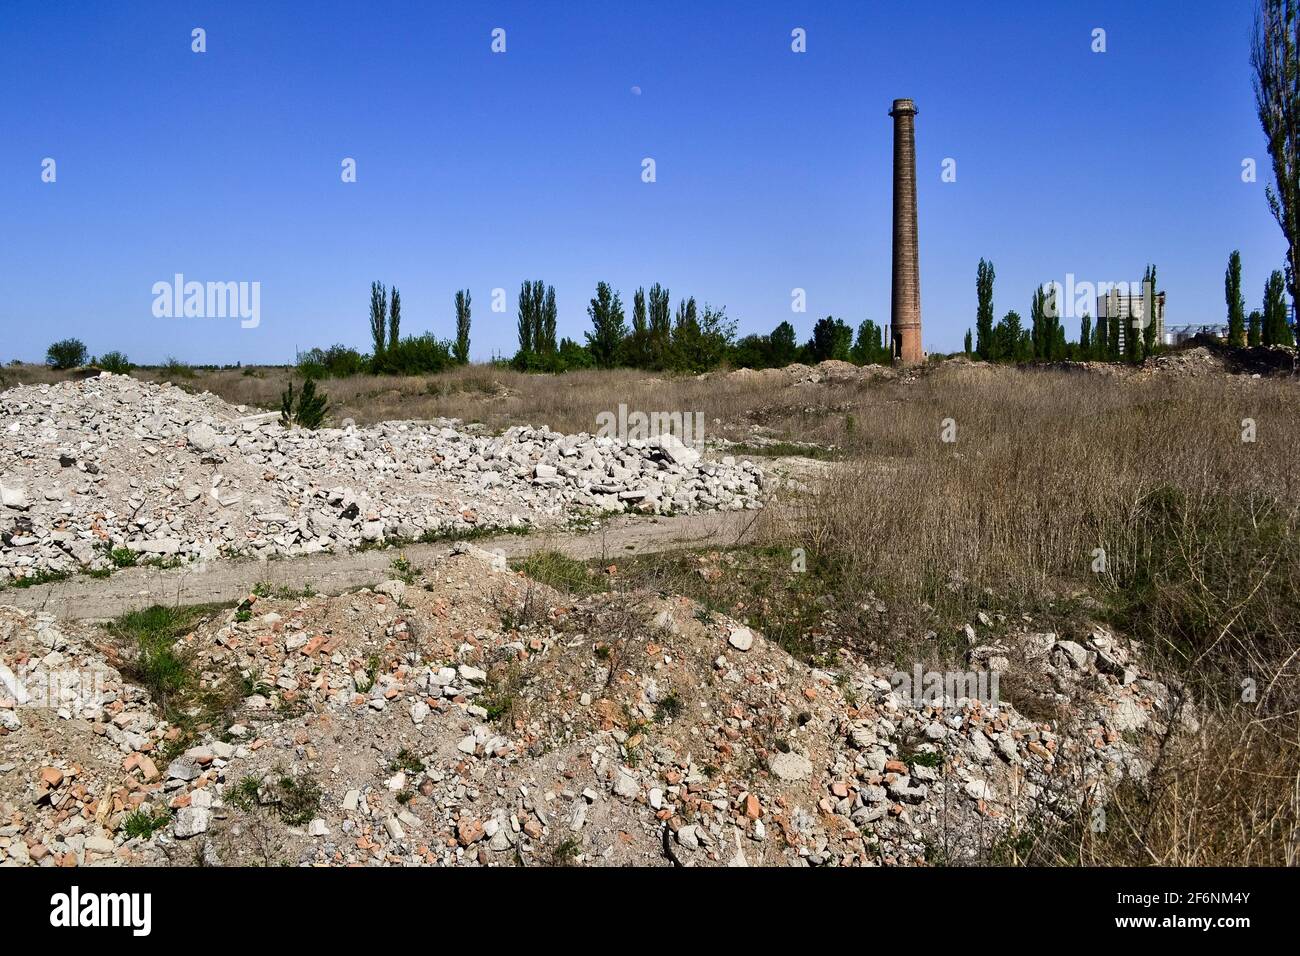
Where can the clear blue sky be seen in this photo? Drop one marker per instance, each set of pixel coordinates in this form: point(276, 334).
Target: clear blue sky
point(480, 170)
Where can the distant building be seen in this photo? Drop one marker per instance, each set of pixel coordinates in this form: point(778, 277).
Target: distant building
point(1178, 334)
point(1128, 307)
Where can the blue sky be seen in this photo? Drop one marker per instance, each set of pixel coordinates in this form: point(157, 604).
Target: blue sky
point(478, 170)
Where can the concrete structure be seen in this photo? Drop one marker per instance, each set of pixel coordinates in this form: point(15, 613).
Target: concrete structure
point(1130, 308)
point(1178, 334)
point(905, 300)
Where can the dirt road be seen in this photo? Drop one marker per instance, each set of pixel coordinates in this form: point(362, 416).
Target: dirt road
point(222, 581)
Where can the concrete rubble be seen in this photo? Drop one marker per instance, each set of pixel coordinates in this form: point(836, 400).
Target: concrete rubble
point(474, 717)
point(112, 464)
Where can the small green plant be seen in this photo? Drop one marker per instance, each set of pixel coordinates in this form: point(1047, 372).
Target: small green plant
point(307, 409)
point(367, 680)
point(561, 572)
point(157, 663)
point(405, 796)
point(115, 362)
point(403, 569)
point(246, 794)
point(123, 557)
point(298, 799)
point(668, 708)
point(144, 823)
point(243, 615)
point(408, 760)
point(566, 853)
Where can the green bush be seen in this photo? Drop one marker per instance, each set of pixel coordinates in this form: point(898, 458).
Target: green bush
point(337, 361)
point(307, 409)
point(175, 368)
point(414, 355)
point(115, 362)
point(69, 353)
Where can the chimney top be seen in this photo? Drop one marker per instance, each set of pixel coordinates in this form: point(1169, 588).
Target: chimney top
point(903, 107)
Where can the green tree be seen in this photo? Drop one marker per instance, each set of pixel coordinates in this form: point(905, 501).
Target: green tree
point(1150, 304)
point(1236, 302)
point(549, 320)
point(1275, 59)
point(65, 354)
point(869, 347)
point(831, 339)
point(378, 316)
point(661, 325)
point(636, 347)
point(607, 324)
point(395, 317)
point(1085, 337)
point(701, 341)
point(1011, 341)
point(460, 351)
point(984, 338)
point(1254, 328)
point(1112, 339)
point(1277, 330)
point(784, 345)
point(966, 347)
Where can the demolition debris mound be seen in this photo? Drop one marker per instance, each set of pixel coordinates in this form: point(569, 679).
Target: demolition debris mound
point(111, 470)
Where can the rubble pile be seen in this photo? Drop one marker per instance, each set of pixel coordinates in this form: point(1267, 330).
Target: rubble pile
point(467, 715)
point(110, 464)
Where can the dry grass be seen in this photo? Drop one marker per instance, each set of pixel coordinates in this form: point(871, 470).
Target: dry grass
point(500, 398)
point(1200, 532)
point(1200, 535)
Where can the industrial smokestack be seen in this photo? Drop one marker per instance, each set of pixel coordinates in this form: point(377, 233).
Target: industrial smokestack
point(905, 304)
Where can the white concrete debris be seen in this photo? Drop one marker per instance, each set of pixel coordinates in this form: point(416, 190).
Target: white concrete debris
point(115, 464)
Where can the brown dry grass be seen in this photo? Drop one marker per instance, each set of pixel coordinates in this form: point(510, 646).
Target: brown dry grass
point(502, 397)
point(1201, 536)
point(1200, 530)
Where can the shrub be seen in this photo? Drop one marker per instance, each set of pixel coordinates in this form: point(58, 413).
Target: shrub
point(175, 368)
point(414, 355)
point(307, 409)
point(115, 362)
point(68, 353)
point(337, 361)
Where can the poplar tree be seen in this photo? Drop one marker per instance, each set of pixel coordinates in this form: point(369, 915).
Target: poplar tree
point(607, 326)
point(395, 319)
point(460, 350)
point(1275, 59)
point(1236, 303)
point(1149, 307)
point(985, 346)
point(661, 324)
point(1276, 331)
point(378, 316)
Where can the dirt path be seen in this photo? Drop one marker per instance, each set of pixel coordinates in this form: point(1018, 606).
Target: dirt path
point(231, 580)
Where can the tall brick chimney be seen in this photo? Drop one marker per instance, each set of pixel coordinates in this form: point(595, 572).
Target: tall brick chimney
point(905, 304)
